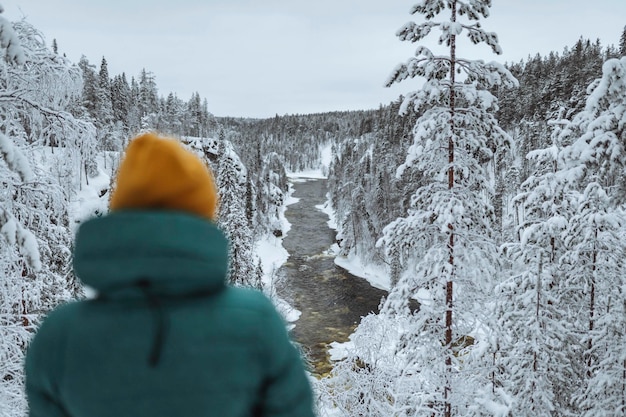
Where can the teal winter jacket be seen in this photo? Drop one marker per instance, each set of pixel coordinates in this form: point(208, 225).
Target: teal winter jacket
point(166, 337)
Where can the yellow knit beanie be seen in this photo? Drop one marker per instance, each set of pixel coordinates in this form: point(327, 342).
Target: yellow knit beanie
point(159, 173)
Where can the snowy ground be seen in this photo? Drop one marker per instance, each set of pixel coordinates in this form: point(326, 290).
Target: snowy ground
point(374, 274)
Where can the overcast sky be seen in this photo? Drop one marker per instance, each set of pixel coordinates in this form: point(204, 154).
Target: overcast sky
point(258, 58)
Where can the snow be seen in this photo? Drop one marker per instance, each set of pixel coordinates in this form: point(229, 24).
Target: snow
point(452, 28)
point(10, 41)
point(332, 220)
point(14, 233)
point(321, 172)
point(9, 228)
point(87, 202)
point(338, 351)
point(374, 274)
point(15, 159)
point(28, 247)
point(273, 255)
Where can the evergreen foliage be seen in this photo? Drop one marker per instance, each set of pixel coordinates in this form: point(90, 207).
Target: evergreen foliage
point(232, 219)
point(446, 239)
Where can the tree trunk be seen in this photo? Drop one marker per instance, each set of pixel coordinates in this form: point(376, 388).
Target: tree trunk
point(592, 302)
point(538, 306)
point(449, 283)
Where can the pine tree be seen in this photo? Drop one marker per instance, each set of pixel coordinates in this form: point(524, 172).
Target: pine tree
point(249, 203)
point(90, 85)
point(232, 219)
point(194, 114)
point(104, 114)
point(121, 101)
point(148, 100)
point(172, 116)
point(595, 164)
point(622, 43)
point(449, 225)
point(136, 109)
point(596, 273)
point(537, 349)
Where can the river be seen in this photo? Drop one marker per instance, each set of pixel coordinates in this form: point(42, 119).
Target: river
point(332, 301)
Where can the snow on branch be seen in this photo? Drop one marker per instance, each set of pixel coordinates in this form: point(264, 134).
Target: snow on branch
point(429, 8)
point(611, 85)
point(10, 41)
point(424, 64)
point(26, 241)
point(599, 128)
point(414, 32)
point(448, 30)
point(21, 96)
point(478, 35)
point(15, 159)
point(490, 74)
point(474, 8)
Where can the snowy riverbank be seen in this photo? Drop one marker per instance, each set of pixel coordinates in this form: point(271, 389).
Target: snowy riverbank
point(376, 275)
point(273, 255)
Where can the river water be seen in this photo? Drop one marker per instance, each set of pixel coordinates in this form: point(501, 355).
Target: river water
point(332, 301)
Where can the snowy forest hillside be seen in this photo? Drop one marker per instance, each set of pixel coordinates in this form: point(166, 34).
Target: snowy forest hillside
point(502, 214)
point(63, 128)
point(494, 195)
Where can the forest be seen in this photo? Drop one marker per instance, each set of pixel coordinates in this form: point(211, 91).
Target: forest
point(493, 196)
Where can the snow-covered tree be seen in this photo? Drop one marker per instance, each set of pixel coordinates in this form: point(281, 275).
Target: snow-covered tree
point(597, 273)
point(90, 86)
point(231, 180)
point(538, 348)
point(121, 100)
point(447, 233)
point(148, 100)
point(36, 88)
point(173, 115)
point(271, 189)
point(376, 377)
point(595, 164)
point(108, 140)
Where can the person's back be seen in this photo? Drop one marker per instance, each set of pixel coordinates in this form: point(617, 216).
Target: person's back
point(165, 336)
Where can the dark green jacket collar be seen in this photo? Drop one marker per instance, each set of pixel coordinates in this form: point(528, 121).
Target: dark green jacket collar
point(172, 252)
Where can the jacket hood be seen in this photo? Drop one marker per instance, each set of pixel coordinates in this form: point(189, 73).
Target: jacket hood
point(173, 253)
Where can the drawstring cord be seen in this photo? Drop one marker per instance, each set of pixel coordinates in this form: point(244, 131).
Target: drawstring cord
point(160, 319)
point(155, 303)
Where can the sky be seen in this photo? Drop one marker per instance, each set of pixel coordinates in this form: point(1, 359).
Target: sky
point(259, 58)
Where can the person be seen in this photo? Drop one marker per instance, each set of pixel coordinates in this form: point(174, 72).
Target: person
point(165, 336)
